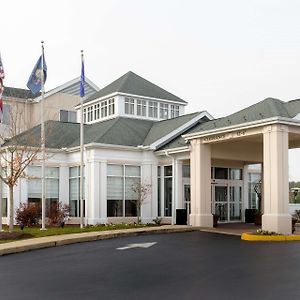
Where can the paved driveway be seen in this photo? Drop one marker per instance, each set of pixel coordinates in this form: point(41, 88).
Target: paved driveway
point(194, 265)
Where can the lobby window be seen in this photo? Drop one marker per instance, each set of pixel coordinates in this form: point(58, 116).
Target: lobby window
point(67, 116)
point(153, 109)
point(74, 190)
point(254, 178)
point(4, 196)
point(163, 111)
point(168, 190)
point(121, 200)
point(159, 191)
point(129, 106)
point(174, 111)
point(141, 107)
point(35, 184)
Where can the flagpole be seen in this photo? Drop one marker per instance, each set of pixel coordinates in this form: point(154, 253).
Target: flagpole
point(81, 142)
point(43, 143)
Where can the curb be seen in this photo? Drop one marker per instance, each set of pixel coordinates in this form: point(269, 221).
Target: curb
point(269, 238)
point(67, 239)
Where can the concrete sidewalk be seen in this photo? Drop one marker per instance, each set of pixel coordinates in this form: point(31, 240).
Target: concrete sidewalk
point(66, 239)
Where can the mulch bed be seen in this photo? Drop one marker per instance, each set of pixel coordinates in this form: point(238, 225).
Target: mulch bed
point(14, 235)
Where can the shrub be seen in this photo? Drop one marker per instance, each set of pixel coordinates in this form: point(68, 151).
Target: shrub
point(28, 214)
point(57, 212)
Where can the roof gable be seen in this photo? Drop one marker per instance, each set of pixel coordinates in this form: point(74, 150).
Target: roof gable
point(133, 84)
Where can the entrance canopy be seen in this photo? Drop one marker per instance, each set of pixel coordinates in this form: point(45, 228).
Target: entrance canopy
point(262, 133)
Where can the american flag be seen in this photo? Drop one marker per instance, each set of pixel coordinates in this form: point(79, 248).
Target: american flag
point(2, 75)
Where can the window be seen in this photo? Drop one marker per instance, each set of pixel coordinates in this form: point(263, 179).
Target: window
point(158, 191)
point(74, 190)
point(97, 111)
point(186, 171)
point(141, 107)
point(67, 116)
point(121, 200)
point(35, 184)
point(84, 115)
point(6, 114)
point(168, 190)
point(111, 106)
point(174, 111)
point(4, 198)
point(221, 173)
point(236, 174)
point(129, 106)
point(152, 109)
point(104, 109)
point(90, 114)
point(163, 111)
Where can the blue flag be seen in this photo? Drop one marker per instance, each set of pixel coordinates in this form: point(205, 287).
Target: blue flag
point(82, 80)
point(35, 80)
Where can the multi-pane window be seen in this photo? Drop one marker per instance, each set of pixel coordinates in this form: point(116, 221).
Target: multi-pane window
point(111, 106)
point(158, 191)
point(67, 116)
point(35, 184)
point(84, 115)
point(4, 195)
point(174, 111)
point(121, 199)
point(90, 114)
point(129, 106)
point(153, 109)
point(97, 111)
point(163, 110)
point(141, 107)
point(74, 190)
point(103, 109)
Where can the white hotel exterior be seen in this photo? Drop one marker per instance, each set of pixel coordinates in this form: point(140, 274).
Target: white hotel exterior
point(137, 131)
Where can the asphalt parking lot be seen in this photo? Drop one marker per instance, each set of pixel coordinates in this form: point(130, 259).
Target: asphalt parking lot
point(192, 265)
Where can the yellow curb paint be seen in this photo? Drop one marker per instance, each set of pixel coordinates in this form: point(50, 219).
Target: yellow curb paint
point(269, 238)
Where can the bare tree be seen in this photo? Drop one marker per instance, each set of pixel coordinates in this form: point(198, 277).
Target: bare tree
point(142, 191)
point(17, 152)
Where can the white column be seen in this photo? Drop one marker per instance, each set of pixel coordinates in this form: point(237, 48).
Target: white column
point(147, 178)
point(200, 184)
point(178, 184)
point(64, 184)
point(94, 199)
point(276, 180)
point(103, 192)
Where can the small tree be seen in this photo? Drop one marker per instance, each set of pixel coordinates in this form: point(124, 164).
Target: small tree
point(17, 152)
point(141, 190)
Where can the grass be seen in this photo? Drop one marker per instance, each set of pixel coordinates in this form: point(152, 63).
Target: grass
point(36, 232)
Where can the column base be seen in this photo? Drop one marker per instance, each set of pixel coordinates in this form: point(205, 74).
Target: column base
point(280, 223)
point(202, 220)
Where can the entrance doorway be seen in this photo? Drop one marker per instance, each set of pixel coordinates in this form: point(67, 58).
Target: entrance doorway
point(227, 202)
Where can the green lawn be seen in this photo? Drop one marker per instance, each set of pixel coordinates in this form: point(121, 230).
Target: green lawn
point(36, 232)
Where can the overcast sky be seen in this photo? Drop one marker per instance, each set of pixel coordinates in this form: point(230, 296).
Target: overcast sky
point(220, 56)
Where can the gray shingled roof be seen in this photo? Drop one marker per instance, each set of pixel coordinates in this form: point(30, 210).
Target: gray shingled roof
point(264, 109)
point(11, 92)
point(131, 83)
point(117, 131)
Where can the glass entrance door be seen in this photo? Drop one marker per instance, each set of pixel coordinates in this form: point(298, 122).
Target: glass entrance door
point(227, 202)
point(220, 205)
